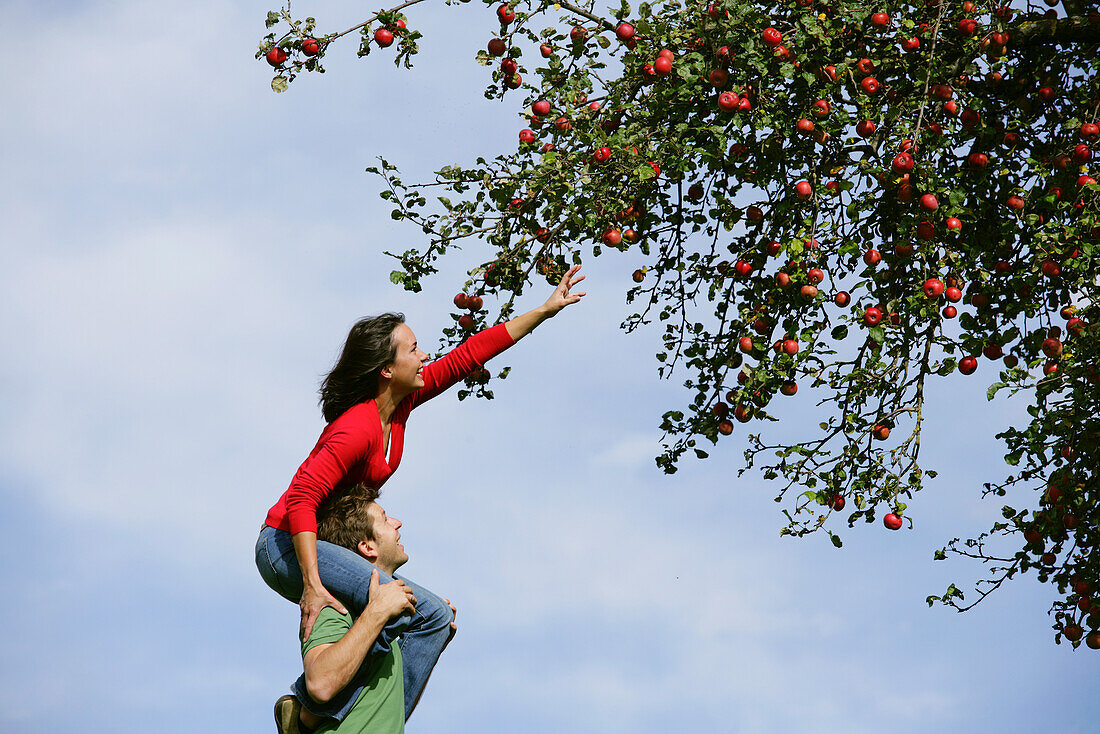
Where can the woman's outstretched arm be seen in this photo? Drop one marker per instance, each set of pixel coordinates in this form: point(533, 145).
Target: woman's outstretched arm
point(521, 326)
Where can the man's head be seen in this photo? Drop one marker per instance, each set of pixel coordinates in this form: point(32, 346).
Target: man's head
point(355, 520)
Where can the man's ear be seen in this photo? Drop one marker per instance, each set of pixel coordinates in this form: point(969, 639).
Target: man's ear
point(368, 550)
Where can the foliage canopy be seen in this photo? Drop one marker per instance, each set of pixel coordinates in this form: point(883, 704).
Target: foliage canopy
point(850, 197)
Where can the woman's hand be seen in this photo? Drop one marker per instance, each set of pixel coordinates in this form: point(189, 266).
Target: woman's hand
point(524, 324)
point(561, 297)
point(314, 599)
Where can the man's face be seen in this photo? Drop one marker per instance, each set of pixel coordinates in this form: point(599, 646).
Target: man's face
point(388, 551)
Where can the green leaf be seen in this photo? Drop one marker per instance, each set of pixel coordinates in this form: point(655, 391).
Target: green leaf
point(397, 277)
point(992, 391)
point(279, 84)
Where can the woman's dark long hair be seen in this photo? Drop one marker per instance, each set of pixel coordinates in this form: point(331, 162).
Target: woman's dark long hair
point(354, 379)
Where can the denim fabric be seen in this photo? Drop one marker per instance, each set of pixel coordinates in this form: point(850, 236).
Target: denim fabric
point(346, 575)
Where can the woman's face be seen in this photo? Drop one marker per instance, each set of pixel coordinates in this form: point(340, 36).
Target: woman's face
point(405, 372)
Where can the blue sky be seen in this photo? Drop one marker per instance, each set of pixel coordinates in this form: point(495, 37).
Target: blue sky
point(184, 252)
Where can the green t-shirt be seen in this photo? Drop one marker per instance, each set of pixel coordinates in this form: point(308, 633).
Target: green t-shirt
point(380, 708)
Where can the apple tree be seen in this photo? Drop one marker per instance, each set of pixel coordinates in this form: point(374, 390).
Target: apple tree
point(854, 198)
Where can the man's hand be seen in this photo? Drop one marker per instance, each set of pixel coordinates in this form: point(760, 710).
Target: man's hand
point(454, 625)
point(561, 297)
point(390, 600)
point(314, 599)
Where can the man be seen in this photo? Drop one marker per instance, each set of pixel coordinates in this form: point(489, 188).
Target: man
point(340, 672)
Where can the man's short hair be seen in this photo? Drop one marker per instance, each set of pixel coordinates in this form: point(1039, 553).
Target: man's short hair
point(343, 519)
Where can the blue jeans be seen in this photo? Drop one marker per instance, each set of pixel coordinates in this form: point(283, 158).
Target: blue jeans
point(346, 575)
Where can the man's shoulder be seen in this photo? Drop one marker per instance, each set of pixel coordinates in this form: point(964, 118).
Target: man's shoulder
point(329, 627)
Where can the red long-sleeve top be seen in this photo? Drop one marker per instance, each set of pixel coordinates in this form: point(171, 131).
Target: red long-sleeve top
point(351, 449)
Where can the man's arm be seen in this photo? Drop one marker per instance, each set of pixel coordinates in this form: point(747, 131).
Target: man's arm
point(331, 666)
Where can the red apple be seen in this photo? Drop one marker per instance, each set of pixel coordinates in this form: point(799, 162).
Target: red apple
point(950, 312)
point(933, 288)
point(276, 56)
point(728, 101)
point(891, 521)
point(842, 298)
point(929, 202)
point(977, 160)
point(624, 31)
point(865, 128)
point(505, 14)
point(772, 37)
point(383, 37)
point(872, 257)
point(803, 190)
point(967, 365)
point(460, 300)
point(902, 163)
point(880, 20)
point(311, 47)
point(466, 322)
point(872, 315)
point(496, 47)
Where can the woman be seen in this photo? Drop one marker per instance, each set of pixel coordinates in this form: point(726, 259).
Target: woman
point(366, 399)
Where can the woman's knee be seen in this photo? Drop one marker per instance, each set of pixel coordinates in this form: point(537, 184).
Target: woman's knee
point(436, 612)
